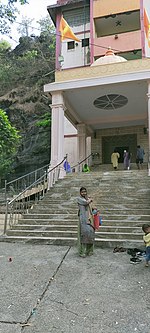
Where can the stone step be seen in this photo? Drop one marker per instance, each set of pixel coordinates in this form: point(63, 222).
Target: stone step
point(72, 199)
point(122, 197)
point(61, 217)
point(99, 203)
point(106, 189)
point(103, 228)
point(107, 204)
point(50, 216)
point(125, 218)
point(46, 227)
point(99, 177)
point(47, 221)
point(44, 233)
point(120, 235)
point(56, 222)
point(121, 228)
point(103, 210)
point(99, 242)
point(124, 223)
point(101, 183)
point(72, 234)
point(127, 212)
point(55, 210)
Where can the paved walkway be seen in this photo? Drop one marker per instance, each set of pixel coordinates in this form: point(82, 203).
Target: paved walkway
point(49, 289)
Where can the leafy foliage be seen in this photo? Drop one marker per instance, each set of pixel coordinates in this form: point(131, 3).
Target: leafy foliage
point(9, 140)
point(4, 46)
point(8, 14)
point(45, 121)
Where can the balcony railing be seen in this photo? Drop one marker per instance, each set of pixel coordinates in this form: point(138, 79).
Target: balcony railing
point(124, 42)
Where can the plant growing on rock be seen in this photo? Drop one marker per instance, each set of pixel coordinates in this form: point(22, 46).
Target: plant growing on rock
point(9, 139)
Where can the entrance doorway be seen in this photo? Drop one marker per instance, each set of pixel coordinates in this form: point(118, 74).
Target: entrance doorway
point(120, 150)
point(121, 142)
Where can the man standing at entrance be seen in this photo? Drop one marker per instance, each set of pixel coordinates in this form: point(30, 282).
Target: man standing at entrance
point(114, 159)
point(139, 157)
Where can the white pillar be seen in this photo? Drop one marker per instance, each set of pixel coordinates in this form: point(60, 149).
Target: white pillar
point(148, 128)
point(57, 131)
point(88, 149)
point(88, 145)
point(81, 128)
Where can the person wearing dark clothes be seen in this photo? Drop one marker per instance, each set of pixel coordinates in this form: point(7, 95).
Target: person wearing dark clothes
point(139, 157)
point(126, 159)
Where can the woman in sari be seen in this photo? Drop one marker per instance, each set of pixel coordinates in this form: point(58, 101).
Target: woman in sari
point(86, 232)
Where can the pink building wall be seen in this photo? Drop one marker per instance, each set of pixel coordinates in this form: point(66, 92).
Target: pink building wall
point(125, 42)
point(107, 7)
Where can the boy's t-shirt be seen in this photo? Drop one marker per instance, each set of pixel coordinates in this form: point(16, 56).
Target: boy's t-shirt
point(140, 153)
point(147, 239)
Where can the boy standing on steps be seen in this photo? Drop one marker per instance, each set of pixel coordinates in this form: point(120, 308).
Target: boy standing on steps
point(139, 157)
point(146, 237)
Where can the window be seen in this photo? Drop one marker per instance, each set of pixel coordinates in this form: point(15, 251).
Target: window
point(85, 42)
point(77, 17)
point(71, 45)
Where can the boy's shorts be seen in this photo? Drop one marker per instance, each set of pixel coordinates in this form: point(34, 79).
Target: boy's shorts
point(148, 253)
point(139, 160)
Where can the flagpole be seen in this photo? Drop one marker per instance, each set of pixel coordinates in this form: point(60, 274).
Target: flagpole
point(60, 63)
point(58, 42)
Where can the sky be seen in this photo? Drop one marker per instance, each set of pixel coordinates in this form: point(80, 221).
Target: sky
point(36, 9)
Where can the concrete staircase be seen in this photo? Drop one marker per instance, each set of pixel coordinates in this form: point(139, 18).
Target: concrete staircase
point(123, 198)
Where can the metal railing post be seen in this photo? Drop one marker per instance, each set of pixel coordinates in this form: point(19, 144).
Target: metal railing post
point(78, 167)
point(35, 176)
point(5, 190)
point(44, 184)
point(6, 218)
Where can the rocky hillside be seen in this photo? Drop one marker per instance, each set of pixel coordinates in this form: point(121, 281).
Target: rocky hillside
point(31, 65)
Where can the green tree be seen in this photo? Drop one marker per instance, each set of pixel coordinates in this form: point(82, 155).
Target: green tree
point(9, 140)
point(8, 13)
point(4, 46)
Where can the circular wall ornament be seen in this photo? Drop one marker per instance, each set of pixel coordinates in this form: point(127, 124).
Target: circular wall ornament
point(110, 102)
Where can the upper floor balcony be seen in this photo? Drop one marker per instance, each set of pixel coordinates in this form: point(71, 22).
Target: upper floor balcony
point(106, 7)
point(120, 43)
point(117, 23)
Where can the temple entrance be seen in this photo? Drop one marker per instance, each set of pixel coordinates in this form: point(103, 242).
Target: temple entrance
point(121, 142)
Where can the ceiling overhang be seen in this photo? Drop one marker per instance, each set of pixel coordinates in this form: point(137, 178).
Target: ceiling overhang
point(79, 96)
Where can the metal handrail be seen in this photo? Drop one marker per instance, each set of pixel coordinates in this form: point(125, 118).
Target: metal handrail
point(81, 162)
point(23, 201)
point(27, 174)
point(14, 186)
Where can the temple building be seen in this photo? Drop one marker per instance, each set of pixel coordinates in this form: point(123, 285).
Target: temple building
point(101, 93)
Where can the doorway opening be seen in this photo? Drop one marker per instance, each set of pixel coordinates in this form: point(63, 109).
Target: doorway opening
point(120, 150)
point(121, 142)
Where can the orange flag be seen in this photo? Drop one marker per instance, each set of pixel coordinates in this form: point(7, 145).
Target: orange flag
point(66, 32)
point(147, 27)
